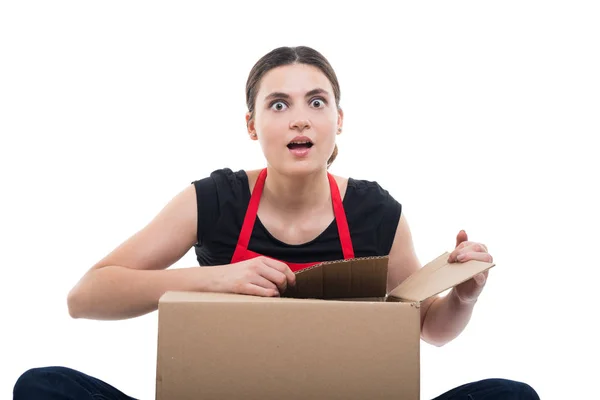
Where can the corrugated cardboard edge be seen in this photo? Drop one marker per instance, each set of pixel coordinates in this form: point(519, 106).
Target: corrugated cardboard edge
point(341, 261)
point(159, 379)
point(436, 277)
point(363, 277)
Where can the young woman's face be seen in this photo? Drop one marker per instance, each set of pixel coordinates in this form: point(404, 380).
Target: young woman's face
point(296, 118)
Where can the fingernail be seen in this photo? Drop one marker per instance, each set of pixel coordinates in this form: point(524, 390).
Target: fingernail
point(460, 257)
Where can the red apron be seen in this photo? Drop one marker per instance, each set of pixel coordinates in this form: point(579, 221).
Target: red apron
point(241, 249)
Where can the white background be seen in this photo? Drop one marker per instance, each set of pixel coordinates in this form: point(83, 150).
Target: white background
point(475, 115)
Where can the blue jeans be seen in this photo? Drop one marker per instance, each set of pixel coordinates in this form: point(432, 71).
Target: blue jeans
point(60, 383)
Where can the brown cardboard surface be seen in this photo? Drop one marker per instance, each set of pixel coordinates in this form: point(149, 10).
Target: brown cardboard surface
point(338, 339)
point(355, 278)
point(193, 297)
point(219, 346)
point(437, 276)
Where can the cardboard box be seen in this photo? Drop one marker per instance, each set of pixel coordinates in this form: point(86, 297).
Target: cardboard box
point(336, 335)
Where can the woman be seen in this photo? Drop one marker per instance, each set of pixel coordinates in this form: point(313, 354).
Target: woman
point(253, 229)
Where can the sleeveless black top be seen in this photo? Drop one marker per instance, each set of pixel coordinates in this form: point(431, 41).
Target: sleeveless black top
point(222, 200)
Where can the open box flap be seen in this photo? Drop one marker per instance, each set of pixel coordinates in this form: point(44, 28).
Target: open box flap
point(353, 278)
point(436, 277)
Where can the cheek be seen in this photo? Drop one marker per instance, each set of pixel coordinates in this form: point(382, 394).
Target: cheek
point(327, 124)
point(266, 123)
point(269, 131)
point(332, 118)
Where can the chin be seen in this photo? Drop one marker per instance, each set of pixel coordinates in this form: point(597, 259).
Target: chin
point(300, 168)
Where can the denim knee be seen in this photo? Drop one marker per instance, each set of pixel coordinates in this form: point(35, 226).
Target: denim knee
point(514, 389)
point(526, 392)
point(32, 383)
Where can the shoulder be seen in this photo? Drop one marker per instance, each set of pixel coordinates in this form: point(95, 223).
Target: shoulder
point(222, 181)
point(365, 193)
point(223, 176)
point(221, 198)
point(365, 186)
point(372, 209)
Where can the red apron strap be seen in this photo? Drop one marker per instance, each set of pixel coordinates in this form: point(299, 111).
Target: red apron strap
point(249, 219)
point(340, 217)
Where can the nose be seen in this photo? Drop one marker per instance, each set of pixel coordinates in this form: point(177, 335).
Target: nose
point(300, 124)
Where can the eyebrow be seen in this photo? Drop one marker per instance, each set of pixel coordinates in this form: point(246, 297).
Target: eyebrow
point(281, 95)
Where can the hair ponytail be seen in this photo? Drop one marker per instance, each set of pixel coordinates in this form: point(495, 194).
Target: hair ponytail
point(333, 156)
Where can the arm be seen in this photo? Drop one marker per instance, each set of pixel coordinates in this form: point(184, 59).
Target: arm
point(442, 318)
point(129, 281)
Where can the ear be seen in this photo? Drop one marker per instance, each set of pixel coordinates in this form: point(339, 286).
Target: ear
point(340, 120)
point(250, 126)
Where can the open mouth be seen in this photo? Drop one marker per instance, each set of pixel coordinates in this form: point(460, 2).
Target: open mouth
point(305, 144)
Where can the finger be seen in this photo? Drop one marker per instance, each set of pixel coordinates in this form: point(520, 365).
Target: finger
point(474, 247)
point(457, 251)
point(475, 255)
point(462, 240)
point(464, 244)
point(263, 282)
point(258, 290)
point(274, 276)
point(461, 237)
point(480, 279)
point(282, 267)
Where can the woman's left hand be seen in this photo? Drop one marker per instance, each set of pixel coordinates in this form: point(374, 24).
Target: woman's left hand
point(469, 291)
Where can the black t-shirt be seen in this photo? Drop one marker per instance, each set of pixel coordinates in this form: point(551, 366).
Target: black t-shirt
point(223, 198)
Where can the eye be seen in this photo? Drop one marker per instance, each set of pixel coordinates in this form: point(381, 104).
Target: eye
point(278, 106)
point(318, 103)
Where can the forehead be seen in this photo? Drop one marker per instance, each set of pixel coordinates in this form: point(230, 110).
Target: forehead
point(295, 79)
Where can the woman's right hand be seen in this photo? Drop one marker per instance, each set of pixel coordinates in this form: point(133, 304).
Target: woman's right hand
point(260, 276)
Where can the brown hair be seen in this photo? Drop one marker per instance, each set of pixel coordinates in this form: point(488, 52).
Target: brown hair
point(286, 56)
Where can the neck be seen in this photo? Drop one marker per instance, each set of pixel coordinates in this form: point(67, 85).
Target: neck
point(297, 194)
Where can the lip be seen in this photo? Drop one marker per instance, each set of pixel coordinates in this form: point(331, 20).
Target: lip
point(301, 152)
point(301, 139)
